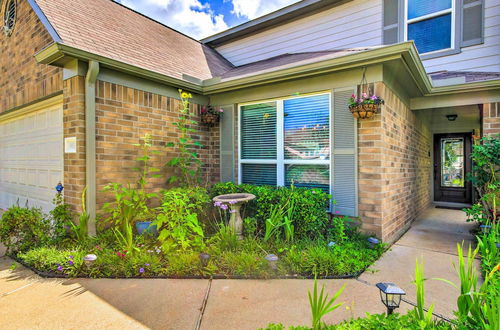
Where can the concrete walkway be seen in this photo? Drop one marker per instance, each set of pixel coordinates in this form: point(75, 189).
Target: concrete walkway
point(28, 301)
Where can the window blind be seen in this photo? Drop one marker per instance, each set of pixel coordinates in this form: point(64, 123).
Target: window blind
point(307, 127)
point(258, 131)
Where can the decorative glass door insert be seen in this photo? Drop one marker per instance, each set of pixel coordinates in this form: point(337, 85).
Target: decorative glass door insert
point(452, 162)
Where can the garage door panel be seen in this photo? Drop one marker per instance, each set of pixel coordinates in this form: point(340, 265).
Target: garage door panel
point(31, 162)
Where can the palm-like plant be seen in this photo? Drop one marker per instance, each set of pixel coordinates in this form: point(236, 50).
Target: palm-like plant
point(321, 304)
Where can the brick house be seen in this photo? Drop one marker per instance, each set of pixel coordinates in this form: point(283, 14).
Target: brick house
point(80, 81)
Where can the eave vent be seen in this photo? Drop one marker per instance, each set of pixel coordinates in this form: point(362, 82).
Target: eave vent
point(9, 17)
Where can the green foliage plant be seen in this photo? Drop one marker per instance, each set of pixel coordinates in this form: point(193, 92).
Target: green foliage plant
point(125, 238)
point(273, 223)
point(225, 239)
point(61, 215)
point(281, 216)
point(321, 304)
point(488, 249)
point(177, 220)
point(485, 174)
point(23, 228)
point(131, 203)
point(188, 164)
point(476, 213)
point(54, 260)
point(475, 309)
point(310, 217)
point(80, 230)
point(338, 229)
point(424, 317)
point(249, 227)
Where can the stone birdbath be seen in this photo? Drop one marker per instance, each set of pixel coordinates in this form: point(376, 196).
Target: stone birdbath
point(235, 201)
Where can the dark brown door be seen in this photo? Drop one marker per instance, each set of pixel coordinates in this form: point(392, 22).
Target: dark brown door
point(451, 165)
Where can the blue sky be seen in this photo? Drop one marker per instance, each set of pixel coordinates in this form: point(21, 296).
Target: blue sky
point(202, 18)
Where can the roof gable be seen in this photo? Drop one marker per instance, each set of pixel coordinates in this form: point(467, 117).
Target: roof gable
point(108, 29)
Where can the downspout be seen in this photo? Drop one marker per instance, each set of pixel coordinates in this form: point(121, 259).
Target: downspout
point(90, 136)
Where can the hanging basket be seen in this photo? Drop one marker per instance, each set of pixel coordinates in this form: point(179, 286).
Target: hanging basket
point(363, 111)
point(366, 104)
point(209, 119)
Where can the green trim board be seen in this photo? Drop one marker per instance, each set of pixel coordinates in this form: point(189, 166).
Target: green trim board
point(455, 99)
point(305, 85)
point(127, 80)
point(406, 53)
point(56, 53)
point(90, 144)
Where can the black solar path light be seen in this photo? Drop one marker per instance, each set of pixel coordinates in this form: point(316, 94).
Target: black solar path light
point(390, 294)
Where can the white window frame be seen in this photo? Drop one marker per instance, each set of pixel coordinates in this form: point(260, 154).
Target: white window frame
point(280, 160)
point(451, 10)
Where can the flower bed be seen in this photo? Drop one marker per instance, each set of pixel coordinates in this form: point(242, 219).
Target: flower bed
point(189, 225)
point(180, 232)
point(229, 257)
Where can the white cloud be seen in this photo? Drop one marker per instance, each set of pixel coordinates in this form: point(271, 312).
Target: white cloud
point(256, 8)
point(187, 16)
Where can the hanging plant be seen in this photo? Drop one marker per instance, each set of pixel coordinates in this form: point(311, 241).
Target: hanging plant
point(367, 104)
point(210, 116)
point(364, 106)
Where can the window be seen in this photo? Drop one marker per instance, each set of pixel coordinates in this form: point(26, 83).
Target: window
point(9, 17)
point(286, 141)
point(438, 27)
point(430, 24)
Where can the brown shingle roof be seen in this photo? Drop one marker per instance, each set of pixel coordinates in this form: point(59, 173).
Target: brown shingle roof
point(289, 60)
point(105, 28)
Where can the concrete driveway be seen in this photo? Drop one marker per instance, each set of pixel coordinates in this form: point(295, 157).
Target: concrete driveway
point(30, 302)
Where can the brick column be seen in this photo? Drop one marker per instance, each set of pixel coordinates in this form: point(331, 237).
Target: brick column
point(394, 167)
point(491, 119)
point(74, 126)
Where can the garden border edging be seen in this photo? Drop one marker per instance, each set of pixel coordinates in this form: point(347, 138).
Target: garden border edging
point(192, 277)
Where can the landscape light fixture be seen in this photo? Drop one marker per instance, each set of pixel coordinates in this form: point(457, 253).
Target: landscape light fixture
point(272, 260)
point(390, 294)
point(373, 242)
point(89, 259)
point(204, 258)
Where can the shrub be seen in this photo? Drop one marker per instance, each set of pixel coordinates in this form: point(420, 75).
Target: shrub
point(310, 205)
point(485, 173)
point(177, 220)
point(22, 228)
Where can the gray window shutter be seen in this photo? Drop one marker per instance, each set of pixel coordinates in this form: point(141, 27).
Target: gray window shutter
point(472, 22)
point(344, 158)
point(227, 163)
point(393, 22)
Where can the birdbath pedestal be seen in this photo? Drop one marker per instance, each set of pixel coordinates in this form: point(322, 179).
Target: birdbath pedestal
point(235, 201)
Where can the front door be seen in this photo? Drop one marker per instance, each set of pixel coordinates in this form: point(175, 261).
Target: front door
point(451, 165)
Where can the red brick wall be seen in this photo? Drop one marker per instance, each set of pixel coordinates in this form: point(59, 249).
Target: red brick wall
point(123, 116)
point(394, 167)
point(22, 79)
point(491, 119)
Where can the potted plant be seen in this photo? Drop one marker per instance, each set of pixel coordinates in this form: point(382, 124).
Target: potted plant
point(365, 106)
point(210, 115)
point(144, 224)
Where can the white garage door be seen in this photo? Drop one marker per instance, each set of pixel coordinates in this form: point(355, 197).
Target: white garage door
point(31, 157)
